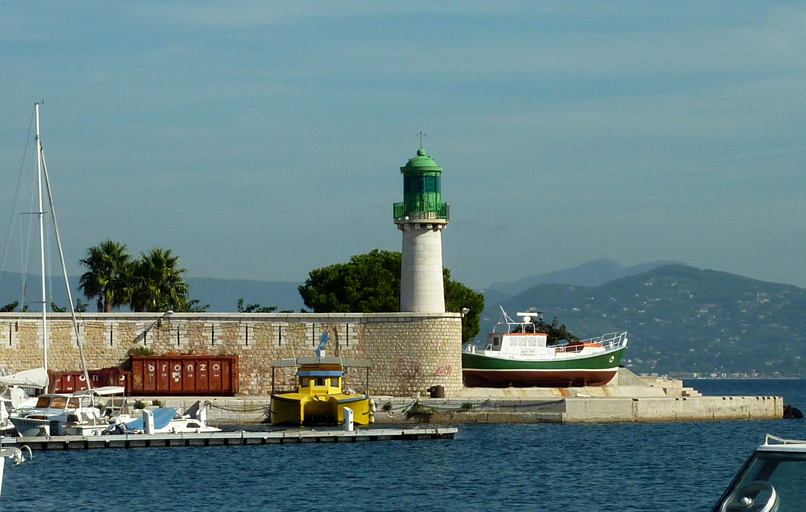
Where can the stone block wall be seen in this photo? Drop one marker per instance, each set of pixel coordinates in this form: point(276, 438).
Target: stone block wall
point(410, 352)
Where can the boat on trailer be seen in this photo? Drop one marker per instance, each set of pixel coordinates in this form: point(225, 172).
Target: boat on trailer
point(522, 356)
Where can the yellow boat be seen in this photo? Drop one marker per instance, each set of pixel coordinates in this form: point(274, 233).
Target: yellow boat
point(319, 399)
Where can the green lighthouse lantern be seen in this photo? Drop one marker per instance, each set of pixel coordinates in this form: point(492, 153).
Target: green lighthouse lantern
point(422, 190)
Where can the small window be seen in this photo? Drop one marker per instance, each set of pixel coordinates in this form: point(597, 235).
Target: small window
point(58, 402)
point(532, 342)
point(305, 382)
point(334, 382)
point(496, 342)
point(43, 402)
point(320, 381)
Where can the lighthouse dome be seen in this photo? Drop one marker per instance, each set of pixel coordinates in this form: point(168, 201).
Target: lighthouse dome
point(421, 163)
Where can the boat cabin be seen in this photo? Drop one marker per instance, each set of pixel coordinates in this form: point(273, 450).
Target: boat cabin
point(320, 379)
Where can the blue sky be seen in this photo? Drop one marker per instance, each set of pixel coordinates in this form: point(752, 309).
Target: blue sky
point(260, 140)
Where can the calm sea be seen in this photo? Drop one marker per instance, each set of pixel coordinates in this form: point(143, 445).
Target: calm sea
point(624, 467)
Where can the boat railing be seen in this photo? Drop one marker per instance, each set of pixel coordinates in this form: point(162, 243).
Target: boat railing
point(610, 341)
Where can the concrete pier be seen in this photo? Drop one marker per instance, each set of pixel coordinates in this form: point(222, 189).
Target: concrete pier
point(628, 398)
point(239, 438)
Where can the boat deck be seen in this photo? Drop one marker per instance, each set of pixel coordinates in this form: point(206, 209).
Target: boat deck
point(239, 438)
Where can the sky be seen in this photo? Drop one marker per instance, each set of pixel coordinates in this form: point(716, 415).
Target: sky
point(261, 140)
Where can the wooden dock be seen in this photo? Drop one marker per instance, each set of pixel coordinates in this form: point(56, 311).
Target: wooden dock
point(237, 438)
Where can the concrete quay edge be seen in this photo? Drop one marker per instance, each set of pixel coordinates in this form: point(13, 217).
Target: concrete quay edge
point(531, 409)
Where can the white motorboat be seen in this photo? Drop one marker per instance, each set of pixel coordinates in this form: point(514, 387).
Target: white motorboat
point(57, 414)
point(773, 479)
point(13, 398)
point(166, 420)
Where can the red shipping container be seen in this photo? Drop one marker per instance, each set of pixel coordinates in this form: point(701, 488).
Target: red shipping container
point(177, 375)
point(68, 382)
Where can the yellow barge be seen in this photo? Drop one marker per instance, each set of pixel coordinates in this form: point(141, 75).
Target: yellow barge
point(320, 398)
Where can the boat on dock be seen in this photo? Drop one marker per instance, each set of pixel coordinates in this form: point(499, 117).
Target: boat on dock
point(772, 479)
point(319, 398)
point(76, 413)
point(522, 356)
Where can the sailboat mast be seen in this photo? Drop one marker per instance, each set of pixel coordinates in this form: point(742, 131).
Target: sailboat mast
point(41, 241)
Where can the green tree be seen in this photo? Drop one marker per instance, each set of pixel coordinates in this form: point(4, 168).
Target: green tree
point(109, 268)
point(11, 306)
point(157, 283)
point(254, 308)
point(556, 333)
point(459, 297)
point(370, 283)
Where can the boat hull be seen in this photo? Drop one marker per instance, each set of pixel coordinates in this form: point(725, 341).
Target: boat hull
point(301, 409)
point(31, 427)
point(486, 371)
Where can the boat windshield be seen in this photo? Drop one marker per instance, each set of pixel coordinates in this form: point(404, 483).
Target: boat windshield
point(771, 481)
point(58, 402)
point(43, 402)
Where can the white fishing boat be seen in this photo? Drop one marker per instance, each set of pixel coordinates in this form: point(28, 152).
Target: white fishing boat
point(773, 479)
point(523, 356)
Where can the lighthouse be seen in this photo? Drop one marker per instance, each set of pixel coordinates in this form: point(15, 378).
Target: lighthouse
point(422, 216)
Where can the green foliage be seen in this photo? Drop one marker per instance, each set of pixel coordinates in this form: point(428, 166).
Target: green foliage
point(157, 283)
point(139, 404)
point(10, 307)
point(57, 309)
point(254, 308)
point(370, 283)
point(154, 282)
point(81, 307)
point(459, 296)
point(107, 277)
point(140, 350)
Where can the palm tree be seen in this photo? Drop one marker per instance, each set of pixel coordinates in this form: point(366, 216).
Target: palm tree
point(106, 279)
point(157, 283)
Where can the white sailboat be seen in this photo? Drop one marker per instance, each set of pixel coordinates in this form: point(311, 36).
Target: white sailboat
point(43, 179)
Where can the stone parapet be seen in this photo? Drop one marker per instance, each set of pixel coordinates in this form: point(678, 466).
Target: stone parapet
point(410, 351)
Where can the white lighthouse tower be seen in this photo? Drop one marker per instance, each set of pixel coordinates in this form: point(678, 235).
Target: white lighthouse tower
point(422, 216)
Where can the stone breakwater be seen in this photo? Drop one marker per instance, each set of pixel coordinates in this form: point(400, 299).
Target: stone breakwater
point(410, 352)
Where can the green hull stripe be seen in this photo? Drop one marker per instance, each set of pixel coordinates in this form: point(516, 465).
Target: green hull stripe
point(606, 361)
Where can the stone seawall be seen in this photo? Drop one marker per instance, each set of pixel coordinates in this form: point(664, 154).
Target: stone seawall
point(410, 351)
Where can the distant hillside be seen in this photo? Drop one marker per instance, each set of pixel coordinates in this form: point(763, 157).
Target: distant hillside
point(221, 294)
point(683, 319)
point(592, 273)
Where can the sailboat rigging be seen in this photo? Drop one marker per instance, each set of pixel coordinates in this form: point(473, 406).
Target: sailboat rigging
point(42, 173)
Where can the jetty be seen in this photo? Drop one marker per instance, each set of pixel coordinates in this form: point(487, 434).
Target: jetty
point(629, 398)
point(238, 438)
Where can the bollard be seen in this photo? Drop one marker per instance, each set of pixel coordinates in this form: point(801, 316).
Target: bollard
point(348, 419)
point(148, 421)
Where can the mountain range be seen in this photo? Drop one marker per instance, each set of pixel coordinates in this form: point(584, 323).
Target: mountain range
point(681, 320)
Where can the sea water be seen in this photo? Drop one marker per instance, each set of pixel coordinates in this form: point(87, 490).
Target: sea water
point(515, 467)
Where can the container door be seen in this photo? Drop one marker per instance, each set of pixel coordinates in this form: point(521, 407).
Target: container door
point(203, 375)
point(164, 376)
point(189, 376)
